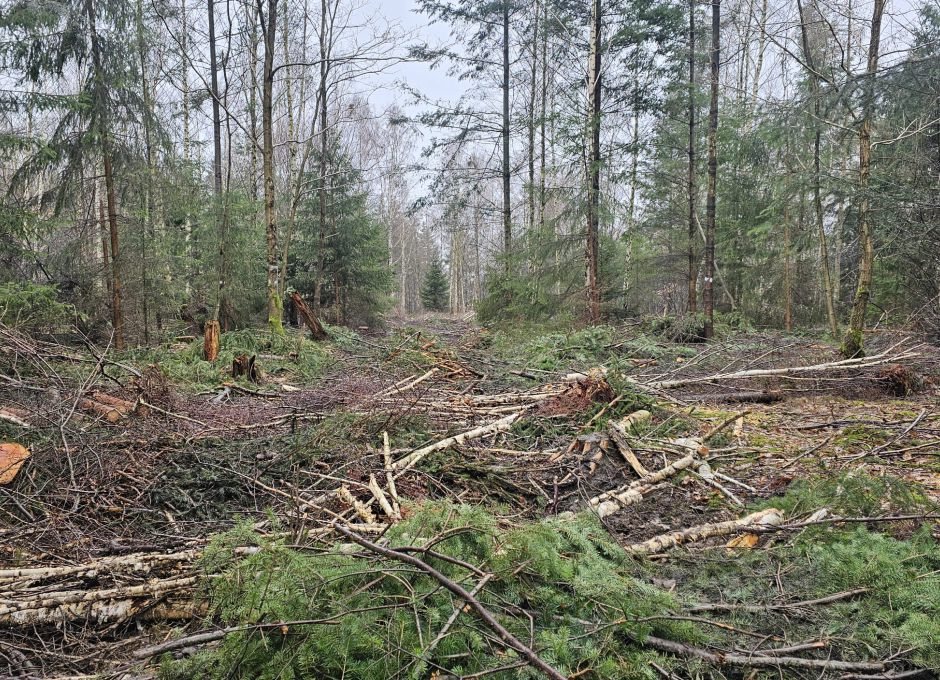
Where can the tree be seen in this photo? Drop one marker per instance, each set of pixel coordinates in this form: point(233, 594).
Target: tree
point(593, 161)
point(853, 343)
point(268, 22)
point(435, 291)
point(708, 294)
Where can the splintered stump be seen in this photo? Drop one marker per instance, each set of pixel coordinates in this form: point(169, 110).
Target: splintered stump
point(210, 341)
point(244, 365)
point(309, 318)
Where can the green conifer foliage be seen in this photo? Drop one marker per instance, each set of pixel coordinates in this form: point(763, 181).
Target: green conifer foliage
point(435, 291)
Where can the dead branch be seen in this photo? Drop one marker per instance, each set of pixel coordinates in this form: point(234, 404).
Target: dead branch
point(757, 661)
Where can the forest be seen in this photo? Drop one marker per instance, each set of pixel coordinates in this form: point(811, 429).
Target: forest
point(457, 339)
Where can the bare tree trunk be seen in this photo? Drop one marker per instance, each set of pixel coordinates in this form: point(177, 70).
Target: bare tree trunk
point(708, 294)
point(692, 301)
point(817, 191)
point(787, 268)
point(117, 316)
point(269, 29)
point(533, 75)
point(593, 162)
point(147, 233)
point(212, 330)
point(105, 243)
point(853, 343)
point(324, 72)
point(507, 208)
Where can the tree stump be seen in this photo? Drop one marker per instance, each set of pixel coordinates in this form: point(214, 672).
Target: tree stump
point(309, 318)
point(210, 341)
point(245, 365)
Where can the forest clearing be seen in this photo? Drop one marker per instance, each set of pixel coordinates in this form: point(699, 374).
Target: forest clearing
point(469, 339)
point(443, 501)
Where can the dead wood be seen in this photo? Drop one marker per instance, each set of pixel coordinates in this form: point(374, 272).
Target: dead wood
point(412, 458)
point(620, 432)
point(106, 411)
point(244, 365)
point(309, 318)
point(888, 356)
point(768, 517)
point(759, 661)
point(610, 502)
point(743, 397)
point(210, 341)
point(14, 415)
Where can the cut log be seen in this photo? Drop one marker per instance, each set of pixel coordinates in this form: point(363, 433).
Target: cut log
point(106, 411)
point(309, 318)
point(764, 518)
point(122, 405)
point(12, 457)
point(15, 415)
point(210, 341)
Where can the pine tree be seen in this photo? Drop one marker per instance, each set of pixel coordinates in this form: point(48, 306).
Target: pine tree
point(435, 291)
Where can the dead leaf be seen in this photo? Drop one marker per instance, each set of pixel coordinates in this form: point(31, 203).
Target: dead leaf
point(745, 541)
point(12, 457)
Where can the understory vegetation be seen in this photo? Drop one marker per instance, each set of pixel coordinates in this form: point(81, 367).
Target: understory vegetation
point(570, 590)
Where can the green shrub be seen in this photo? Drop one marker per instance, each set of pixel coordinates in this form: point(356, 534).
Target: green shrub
point(33, 308)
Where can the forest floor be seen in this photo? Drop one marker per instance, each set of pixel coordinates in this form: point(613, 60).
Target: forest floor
point(186, 524)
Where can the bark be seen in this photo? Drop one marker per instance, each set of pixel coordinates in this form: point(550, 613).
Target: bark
point(101, 106)
point(533, 75)
point(692, 301)
point(708, 293)
point(663, 542)
point(826, 271)
point(787, 269)
point(324, 74)
point(275, 303)
point(506, 169)
point(593, 163)
point(309, 317)
point(853, 343)
point(210, 340)
point(412, 458)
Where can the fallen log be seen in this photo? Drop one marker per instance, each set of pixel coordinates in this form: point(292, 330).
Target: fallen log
point(122, 405)
point(620, 431)
point(769, 517)
point(610, 502)
point(745, 397)
point(888, 356)
point(309, 318)
point(106, 411)
point(412, 458)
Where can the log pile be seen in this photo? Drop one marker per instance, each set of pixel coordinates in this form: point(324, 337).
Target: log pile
point(154, 586)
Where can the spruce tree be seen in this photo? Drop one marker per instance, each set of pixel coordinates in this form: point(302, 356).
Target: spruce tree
point(435, 291)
